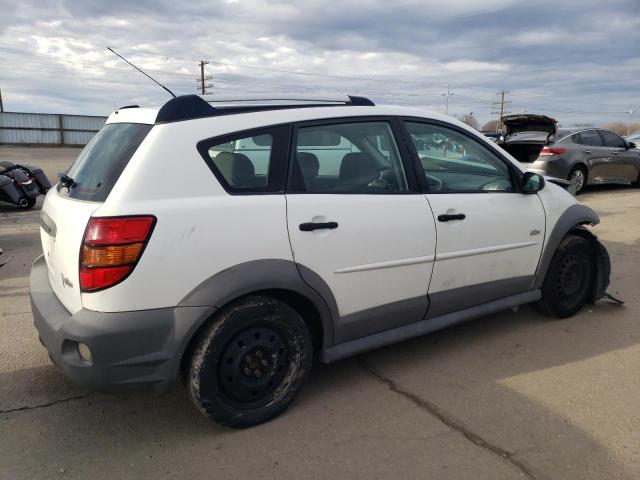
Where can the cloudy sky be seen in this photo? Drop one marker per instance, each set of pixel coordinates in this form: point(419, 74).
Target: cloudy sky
point(576, 60)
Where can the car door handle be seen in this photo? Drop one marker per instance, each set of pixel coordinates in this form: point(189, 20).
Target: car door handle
point(615, 153)
point(448, 217)
point(311, 226)
point(587, 151)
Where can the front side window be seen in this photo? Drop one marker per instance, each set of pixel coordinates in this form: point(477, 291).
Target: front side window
point(590, 138)
point(454, 162)
point(347, 158)
point(248, 162)
point(611, 139)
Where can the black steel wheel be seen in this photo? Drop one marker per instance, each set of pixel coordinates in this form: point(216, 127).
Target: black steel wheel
point(250, 362)
point(570, 277)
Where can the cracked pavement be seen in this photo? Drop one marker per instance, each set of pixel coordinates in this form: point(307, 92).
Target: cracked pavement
point(510, 396)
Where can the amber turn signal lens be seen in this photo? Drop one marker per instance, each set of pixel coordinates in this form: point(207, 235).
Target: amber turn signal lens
point(110, 256)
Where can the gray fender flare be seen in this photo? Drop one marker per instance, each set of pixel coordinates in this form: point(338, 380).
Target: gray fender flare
point(260, 275)
point(572, 220)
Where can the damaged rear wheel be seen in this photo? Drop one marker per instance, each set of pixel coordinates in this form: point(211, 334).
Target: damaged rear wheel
point(250, 362)
point(570, 278)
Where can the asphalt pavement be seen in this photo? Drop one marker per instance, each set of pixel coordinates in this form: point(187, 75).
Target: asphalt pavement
point(509, 396)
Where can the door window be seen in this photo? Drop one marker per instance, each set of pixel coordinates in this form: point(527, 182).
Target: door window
point(612, 140)
point(590, 138)
point(454, 162)
point(347, 158)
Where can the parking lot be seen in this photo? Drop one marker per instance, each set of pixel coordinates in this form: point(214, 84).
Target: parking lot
point(510, 396)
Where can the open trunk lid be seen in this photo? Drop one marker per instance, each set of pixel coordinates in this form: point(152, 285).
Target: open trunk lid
point(529, 123)
point(69, 205)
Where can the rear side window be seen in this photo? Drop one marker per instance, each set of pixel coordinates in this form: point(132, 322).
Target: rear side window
point(248, 162)
point(356, 157)
point(99, 165)
point(590, 138)
point(611, 139)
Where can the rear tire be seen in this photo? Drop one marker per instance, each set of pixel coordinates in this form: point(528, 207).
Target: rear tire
point(249, 364)
point(26, 203)
point(567, 285)
point(578, 177)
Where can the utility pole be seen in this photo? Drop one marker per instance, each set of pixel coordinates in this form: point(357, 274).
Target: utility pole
point(501, 107)
point(202, 86)
point(446, 100)
point(630, 112)
point(1, 106)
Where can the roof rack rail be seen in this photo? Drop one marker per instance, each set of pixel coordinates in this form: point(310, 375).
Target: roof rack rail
point(188, 107)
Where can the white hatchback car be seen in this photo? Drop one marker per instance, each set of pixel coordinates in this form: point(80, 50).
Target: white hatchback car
point(227, 241)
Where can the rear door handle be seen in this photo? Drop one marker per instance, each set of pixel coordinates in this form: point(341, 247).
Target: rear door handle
point(311, 226)
point(587, 151)
point(448, 217)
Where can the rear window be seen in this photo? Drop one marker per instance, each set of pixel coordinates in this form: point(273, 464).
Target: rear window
point(103, 159)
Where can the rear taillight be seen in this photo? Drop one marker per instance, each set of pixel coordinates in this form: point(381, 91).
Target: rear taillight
point(111, 248)
point(547, 151)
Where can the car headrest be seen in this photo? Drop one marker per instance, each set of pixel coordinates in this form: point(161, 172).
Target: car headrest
point(236, 168)
point(357, 169)
point(309, 165)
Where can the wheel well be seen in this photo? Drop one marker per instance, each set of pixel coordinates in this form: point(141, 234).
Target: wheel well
point(297, 301)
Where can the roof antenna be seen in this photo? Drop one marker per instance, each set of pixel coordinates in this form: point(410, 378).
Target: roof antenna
point(140, 70)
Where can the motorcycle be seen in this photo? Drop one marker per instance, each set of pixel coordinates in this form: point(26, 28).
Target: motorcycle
point(21, 184)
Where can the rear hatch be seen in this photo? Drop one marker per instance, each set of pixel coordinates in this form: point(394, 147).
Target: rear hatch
point(69, 205)
point(529, 123)
point(526, 134)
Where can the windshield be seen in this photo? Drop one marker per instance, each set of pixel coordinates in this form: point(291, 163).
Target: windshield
point(635, 136)
point(102, 160)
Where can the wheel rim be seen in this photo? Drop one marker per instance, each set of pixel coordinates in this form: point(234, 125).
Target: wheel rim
point(253, 364)
point(577, 179)
point(571, 280)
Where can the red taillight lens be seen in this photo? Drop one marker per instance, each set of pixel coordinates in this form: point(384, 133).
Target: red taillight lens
point(111, 247)
point(113, 231)
point(102, 277)
point(547, 151)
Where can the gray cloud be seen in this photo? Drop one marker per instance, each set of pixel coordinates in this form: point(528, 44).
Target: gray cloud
point(577, 60)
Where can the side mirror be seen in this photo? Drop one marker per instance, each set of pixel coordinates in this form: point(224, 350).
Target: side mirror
point(531, 183)
point(631, 145)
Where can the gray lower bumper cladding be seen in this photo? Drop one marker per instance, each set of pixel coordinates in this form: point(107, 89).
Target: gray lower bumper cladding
point(130, 351)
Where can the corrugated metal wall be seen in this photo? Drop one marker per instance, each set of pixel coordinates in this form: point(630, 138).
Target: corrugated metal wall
point(47, 128)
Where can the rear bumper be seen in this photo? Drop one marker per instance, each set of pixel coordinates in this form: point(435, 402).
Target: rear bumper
point(131, 351)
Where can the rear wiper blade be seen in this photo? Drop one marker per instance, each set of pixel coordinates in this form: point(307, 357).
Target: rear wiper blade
point(66, 181)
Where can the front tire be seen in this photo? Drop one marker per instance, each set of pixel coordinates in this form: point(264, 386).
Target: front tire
point(249, 364)
point(578, 178)
point(567, 285)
